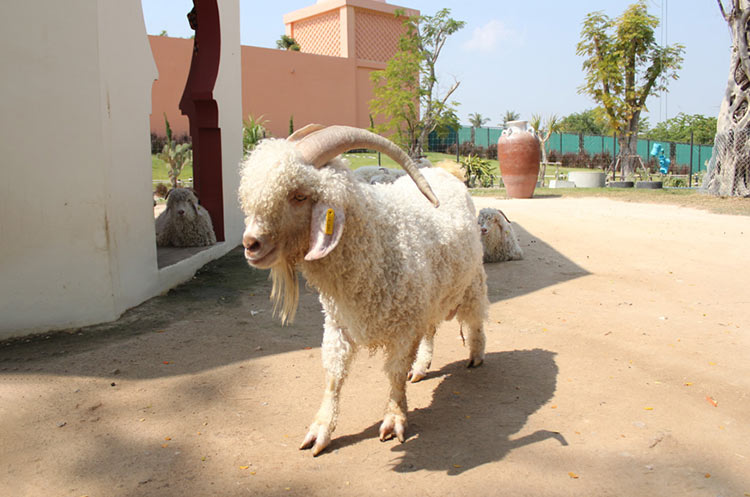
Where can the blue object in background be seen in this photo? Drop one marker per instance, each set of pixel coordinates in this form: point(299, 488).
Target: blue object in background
point(664, 164)
point(658, 151)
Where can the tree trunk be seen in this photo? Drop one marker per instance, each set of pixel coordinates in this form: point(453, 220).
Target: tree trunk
point(729, 170)
point(628, 152)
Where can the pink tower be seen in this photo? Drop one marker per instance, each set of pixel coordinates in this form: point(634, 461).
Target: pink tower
point(366, 30)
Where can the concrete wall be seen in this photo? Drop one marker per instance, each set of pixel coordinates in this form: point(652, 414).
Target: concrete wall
point(77, 242)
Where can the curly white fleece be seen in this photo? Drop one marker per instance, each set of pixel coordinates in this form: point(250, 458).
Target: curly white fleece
point(401, 267)
point(184, 223)
point(498, 237)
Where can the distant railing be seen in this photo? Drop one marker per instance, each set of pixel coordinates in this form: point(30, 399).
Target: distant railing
point(483, 141)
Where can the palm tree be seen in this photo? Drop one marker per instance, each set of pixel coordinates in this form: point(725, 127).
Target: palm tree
point(287, 43)
point(476, 120)
point(510, 115)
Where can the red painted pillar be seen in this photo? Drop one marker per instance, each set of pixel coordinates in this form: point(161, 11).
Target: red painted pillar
point(199, 106)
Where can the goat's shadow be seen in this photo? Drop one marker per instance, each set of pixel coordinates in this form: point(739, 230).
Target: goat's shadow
point(474, 413)
point(542, 266)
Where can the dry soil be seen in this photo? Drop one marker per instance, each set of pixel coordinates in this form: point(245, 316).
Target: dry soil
point(617, 365)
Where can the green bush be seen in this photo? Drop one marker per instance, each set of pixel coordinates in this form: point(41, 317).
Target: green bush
point(253, 131)
point(175, 155)
point(478, 171)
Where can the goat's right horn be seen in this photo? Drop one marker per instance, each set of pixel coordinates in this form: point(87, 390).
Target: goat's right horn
point(319, 145)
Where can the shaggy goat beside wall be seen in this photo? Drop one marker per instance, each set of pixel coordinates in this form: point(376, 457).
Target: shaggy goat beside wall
point(184, 223)
point(388, 264)
point(498, 237)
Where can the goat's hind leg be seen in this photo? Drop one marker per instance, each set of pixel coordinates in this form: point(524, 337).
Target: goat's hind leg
point(472, 313)
point(424, 357)
point(397, 363)
point(337, 352)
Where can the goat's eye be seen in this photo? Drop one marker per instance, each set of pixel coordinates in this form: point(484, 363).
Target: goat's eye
point(300, 197)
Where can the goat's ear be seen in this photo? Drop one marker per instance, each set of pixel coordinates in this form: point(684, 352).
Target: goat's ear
point(326, 226)
point(499, 222)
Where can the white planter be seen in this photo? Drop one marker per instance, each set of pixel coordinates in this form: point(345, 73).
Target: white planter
point(561, 183)
point(588, 179)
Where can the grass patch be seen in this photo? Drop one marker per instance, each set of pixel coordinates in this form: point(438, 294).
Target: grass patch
point(159, 171)
point(681, 197)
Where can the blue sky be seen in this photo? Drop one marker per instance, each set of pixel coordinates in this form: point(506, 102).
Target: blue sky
point(520, 55)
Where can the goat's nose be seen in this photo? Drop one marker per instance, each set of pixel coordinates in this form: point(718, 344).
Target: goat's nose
point(484, 231)
point(252, 244)
point(181, 212)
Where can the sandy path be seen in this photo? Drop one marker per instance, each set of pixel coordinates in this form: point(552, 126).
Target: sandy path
point(605, 348)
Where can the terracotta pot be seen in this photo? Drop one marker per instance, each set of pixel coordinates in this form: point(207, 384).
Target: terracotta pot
point(518, 154)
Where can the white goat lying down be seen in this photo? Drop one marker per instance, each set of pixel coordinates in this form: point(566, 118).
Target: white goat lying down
point(379, 174)
point(184, 223)
point(498, 237)
point(388, 264)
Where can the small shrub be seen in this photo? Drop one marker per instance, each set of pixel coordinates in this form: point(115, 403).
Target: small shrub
point(175, 155)
point(478, 172)
point(253, 131)
point(161, 190)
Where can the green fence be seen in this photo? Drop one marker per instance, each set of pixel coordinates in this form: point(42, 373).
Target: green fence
point(567, 143)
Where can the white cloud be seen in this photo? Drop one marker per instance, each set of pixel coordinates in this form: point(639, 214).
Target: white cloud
point(487, 38)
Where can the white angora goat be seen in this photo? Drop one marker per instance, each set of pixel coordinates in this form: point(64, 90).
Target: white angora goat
point(389, 265)
point(184, 223)
point(498, 237)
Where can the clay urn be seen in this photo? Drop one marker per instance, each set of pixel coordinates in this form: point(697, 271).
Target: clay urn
point(518, 154)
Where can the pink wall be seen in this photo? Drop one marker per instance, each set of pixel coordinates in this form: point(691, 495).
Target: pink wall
point(172, 57)
point(275, 84)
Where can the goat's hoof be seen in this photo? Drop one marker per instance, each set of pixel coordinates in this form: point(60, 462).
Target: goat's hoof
point(475, 362)
point(393, 425)
point(318, 438)
point(416, 374)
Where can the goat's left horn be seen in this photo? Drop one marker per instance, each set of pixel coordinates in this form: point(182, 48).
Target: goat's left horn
point(319, 145)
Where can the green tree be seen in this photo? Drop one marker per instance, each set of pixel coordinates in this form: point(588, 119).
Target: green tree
point(510, 115)
point(477, 121)
point(175, 155)
point(588, 122)
point(406, 92)
point(286, 42)
point(678, 128)
point(624, 65)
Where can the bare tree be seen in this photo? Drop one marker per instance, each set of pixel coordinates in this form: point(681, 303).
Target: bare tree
point(544, 128)
point(729, 171)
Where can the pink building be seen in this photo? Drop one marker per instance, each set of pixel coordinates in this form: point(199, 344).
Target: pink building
point(327, 82)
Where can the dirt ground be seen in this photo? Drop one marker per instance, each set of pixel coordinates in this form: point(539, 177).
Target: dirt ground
point(617, 365)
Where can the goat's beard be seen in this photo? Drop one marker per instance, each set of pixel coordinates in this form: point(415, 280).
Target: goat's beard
point(285, 291)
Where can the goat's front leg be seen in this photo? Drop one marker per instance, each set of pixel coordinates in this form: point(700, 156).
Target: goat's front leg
point(337, 352)
point(398, 361)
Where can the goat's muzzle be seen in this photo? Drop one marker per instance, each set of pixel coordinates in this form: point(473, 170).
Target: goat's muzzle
point(260, 251)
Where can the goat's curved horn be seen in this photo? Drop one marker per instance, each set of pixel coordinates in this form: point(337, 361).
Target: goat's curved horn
point(304, 131)
point(506, 217)
point(321, 145)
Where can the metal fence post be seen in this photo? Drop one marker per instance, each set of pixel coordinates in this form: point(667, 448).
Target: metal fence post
point(690, 172)
point(458, 146)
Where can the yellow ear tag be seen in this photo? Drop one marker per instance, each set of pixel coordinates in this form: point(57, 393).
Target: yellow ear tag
point(329, 221)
